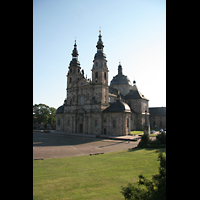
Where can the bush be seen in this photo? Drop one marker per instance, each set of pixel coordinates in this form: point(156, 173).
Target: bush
point(160, 141)
point(145, 141)
point(161, 138)
point(155, 189)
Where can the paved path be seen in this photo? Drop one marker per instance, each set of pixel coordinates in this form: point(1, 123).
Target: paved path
point(60, 144)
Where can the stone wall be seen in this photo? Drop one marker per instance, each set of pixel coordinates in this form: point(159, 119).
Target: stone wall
point(116, 123)
point(158, 122)
point(95, 123)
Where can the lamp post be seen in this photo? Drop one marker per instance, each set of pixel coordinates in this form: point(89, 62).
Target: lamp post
point(146, 127)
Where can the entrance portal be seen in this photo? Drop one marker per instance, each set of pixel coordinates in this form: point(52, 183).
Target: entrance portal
point(81, 128)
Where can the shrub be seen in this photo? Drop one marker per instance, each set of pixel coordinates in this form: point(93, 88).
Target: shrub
point(155, 189)
point(161, 138)
point(145, 141)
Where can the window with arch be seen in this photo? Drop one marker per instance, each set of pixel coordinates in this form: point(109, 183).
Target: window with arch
point(123, 91)
point(127, 122)
point(82, 100)
point(114, 123)
point(95, 122)
point(96, 74)
point(68, 123)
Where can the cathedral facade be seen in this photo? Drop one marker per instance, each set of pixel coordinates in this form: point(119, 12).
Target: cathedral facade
point(94, 107)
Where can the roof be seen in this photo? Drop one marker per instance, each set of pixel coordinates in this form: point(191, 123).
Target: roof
point(118, 106)
point(113, 90)
point(157, 111)
point(99, 55)
point(74, 62)
point(120, 79)
point(60, 110)
point(135, 94)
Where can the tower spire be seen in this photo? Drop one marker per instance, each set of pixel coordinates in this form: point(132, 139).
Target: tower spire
point(75, 51)
point(119, 69)
point(74, 61)
point(100, 45)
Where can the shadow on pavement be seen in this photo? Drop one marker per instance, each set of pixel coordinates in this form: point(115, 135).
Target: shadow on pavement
point(51, 139)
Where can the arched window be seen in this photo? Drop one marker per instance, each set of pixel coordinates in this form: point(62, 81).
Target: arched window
point(68, 121)
point(127, 122)
point(123, 91)
point(82, 100)
point(114, 123)
point(58, 122)
point(95, 122)
point(96, 74)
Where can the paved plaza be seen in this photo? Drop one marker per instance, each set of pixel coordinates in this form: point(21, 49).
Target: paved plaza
point(55, 145)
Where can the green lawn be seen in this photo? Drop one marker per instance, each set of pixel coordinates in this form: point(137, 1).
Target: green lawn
point(92, 177)
point(136, 132)
point(141, 132)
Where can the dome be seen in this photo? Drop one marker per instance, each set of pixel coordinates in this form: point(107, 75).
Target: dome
point(74, 62)
point(100, 55)
point(60, 110)
point(118, 106)
point(120, 79)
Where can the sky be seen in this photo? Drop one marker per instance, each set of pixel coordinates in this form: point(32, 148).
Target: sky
point(133, 32)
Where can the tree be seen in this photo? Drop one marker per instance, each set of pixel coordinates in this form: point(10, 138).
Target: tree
point(44, 114)
point(145, 140)
point(161, 137)
point(52, 118)
point(154, 189)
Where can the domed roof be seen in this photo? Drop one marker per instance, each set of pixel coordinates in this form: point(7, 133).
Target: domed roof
point(60, 109)
point(135, 94)
point(120, 79)
point(118, 106)
point(74, 62)
point(100, 55)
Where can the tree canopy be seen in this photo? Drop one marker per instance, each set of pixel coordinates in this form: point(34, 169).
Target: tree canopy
point(43, 114)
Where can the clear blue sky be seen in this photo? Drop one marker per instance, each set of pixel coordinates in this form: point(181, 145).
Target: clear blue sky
point(133, 32)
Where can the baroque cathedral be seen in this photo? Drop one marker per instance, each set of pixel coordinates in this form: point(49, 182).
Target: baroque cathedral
point(94, 107)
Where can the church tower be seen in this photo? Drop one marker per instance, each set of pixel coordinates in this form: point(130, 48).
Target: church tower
point(100, 75)
point(74, 73)
point(100, 70)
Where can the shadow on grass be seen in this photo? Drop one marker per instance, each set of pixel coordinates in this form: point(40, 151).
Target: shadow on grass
point(148, 149)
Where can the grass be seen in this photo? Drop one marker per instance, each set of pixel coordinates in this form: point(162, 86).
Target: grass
point(92, 177)
point(136, 132)
point(141, 132)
